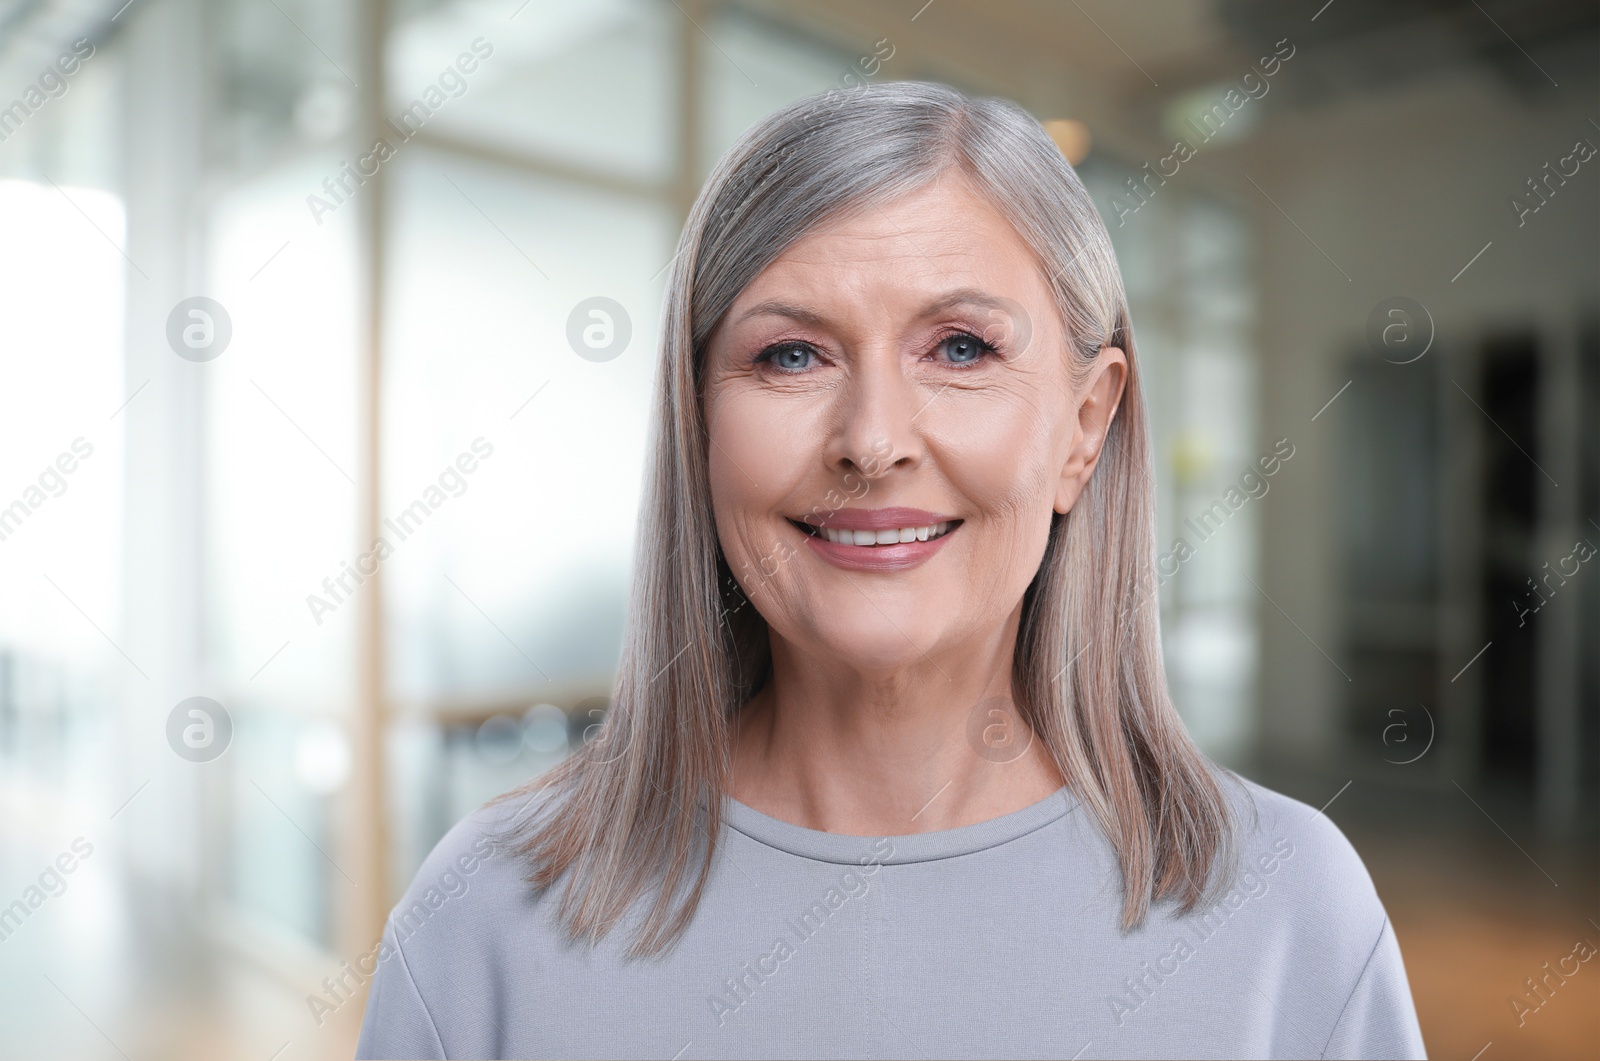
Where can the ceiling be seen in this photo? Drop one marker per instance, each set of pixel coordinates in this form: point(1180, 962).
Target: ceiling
point(1151, 50)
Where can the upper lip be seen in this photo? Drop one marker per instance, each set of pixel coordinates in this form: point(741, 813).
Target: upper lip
point(874, 518)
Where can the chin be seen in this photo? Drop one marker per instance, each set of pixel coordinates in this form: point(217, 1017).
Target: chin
point(874, 654)
point(869, 628)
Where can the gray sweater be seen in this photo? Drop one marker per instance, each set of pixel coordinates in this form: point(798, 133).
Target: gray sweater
point(998, 939)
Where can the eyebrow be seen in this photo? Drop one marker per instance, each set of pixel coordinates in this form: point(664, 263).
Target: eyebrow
point(966, 296)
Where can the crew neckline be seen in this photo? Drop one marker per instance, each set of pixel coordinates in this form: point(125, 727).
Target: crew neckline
point(845, 849)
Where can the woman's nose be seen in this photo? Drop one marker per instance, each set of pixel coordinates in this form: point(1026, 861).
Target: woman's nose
point(877, 429)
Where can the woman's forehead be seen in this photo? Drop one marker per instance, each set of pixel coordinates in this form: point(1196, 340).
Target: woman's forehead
point(939, 246)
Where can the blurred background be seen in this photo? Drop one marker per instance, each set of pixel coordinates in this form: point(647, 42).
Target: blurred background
point(280, 277)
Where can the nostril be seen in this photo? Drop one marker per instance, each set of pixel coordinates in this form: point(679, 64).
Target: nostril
point(878, 463)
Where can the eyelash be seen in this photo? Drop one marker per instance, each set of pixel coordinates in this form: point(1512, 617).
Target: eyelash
point(986, 350)
point(766, 356)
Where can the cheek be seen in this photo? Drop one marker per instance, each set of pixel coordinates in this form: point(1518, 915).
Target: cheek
point(755, 466)
point(1003, 459)
point(1000, 451)
point(755, 549)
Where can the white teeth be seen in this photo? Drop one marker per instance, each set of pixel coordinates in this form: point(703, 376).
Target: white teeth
point(892, 536)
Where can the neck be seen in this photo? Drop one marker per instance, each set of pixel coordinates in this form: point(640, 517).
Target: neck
point(933, 744)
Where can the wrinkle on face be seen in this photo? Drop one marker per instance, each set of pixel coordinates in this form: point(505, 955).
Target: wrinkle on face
point(872, 293)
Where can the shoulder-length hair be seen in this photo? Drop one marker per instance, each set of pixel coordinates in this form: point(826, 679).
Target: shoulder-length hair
point(636, 813)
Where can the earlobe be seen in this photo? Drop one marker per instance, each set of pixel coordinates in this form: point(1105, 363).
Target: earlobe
point(1098, 402)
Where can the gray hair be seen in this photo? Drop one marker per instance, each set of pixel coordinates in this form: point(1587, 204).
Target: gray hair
point(637, 812)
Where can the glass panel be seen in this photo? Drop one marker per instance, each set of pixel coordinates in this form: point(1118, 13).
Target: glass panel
point(280, 473)
point(64, 682)
point(1137, 237)
point(61, 457)
point(1211, 634)
point(586, 83)
point(750, 69)
point(512, 463)
point(61, 461)
point(281, 867)
point(281, 455)
point(286, 78)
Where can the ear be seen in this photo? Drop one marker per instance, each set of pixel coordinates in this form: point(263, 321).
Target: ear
point(1097, 405)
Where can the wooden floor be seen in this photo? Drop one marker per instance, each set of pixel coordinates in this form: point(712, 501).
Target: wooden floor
point(1471, 942)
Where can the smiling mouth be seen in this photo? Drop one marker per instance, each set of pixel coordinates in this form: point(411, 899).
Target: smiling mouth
point(887, 536)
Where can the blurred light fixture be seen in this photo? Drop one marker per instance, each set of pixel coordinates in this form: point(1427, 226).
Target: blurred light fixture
point(499, 739)
point(1193, 457)
point(544, 729)
point(1072, 137)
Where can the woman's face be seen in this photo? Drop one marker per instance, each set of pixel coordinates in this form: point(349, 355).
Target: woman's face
point(899, 378)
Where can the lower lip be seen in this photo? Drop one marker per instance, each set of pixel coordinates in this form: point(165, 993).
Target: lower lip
point(898, 557)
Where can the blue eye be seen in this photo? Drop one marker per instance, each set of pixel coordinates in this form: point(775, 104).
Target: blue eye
point(788, 357)
point(964, 349)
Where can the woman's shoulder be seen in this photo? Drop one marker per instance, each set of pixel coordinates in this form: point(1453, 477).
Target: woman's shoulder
point(474, 869)
point(467, 916)
point(1294, 849)
point(1266, 816)
point(1302, 899)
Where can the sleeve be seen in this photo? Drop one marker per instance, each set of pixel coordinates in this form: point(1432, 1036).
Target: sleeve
point(1379, 1019)
point(397, 1023)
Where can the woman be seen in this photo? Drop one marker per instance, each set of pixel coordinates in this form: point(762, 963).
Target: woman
point(892, 768)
